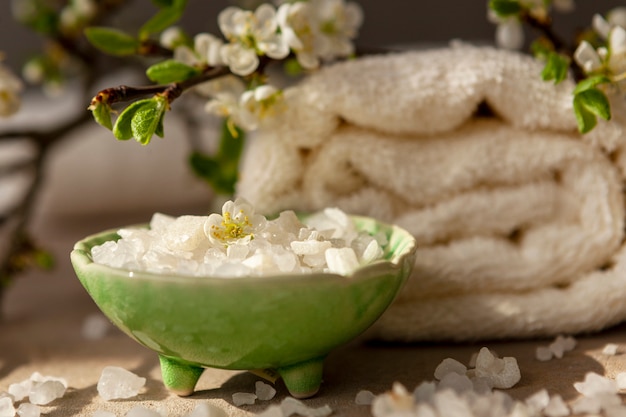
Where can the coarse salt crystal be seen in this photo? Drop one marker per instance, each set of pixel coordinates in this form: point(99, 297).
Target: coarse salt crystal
point(263, 391)
point(620, 380)
point(341, 261)
point(141, 411)
point(364, 397)
point(28, 410)
point(243, 398)
point(45, 392)
point(556, 407)
point(503, 372)
point(205, 409)
point(95, 327)
point(595, 384)
point(456, 382)
point(447, 366)
point(6, 407)
point(538, 401)
point(290, 406)
point(610, 349)
point(543, 353)
point(118, 383)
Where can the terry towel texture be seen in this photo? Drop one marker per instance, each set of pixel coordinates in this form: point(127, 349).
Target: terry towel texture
point(519, 219)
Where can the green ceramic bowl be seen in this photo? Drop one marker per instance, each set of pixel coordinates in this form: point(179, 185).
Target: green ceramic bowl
point(285, 323)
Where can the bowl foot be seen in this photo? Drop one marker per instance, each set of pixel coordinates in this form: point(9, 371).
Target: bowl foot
point(303, 379)
point(178, 377)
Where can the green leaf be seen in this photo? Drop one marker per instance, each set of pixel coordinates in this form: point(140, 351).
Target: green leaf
point(591, 82)
point(164, 18)
point(101, 112)
point(556, 67)
point(596, 102)
point(170, 71)
point(122, 129)
point(112, 41)
point(505, 8)
point(148, 119)
point(584, 118)
point(541, 48)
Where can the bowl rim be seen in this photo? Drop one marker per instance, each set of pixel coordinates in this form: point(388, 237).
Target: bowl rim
point(81, 258)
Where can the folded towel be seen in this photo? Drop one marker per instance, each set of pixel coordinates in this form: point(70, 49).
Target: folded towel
point(518, 217)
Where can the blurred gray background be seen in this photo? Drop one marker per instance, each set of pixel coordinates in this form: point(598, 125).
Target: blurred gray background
point(388, 22)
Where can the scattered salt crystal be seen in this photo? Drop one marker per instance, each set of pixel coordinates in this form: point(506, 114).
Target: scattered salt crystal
point(397, 401)
point(206, 409)
point(449, 365)
point(95, 326)
point(28, 410)
point(243, 398)
point(557, 349)
point(45, 392)
point(449, 403)
point(556, 407)
point(595, 384)
point(20, 390)
point(456, 382)
point(364, 397)
point(586, 405)
point(185, 233)
point(102, 413)
point(538, 401)
point(6, 407)
point(503, 372)
point(263, 391)
point(272, 411)
point(610, 349)
point(116, 383)
point(424, 391)
point(543, 353)
point(290, 406)
point(141, 411)
point(620, 380)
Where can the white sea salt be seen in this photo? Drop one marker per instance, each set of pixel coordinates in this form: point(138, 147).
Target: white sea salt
point(556, 407)
point(141, 411)
point(28, 410)
point(543, 353)
point(45, 392)
point(95, 326)
point(502, 372)
point(290, 406)
point(263, 391)
point(364, 397)
point(610, 349)
point(243, 398)
point(206, 409)
point(7, 409)
point(242, 243)
point(118, 383)
point(595, 384)
point(449, 365)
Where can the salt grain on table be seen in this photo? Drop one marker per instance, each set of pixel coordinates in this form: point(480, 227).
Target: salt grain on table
point(45, 392)
point(610, 349)
point(364, 397)
point(28, 410)
point(6, 406)
point(263, 391)
point(205, 409)
point(118, 383)
point(243, 398)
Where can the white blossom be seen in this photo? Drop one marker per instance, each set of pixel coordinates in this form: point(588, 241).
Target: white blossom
point(509, 31)
point(10, 88)
point(258, 107)
point(206, 51)
point(250, 34)
point(339, 23)
point(225, 92)
point(238, 222)
point(587, 57)
point(172, 37)
point(299, 32)
point(617, 17)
